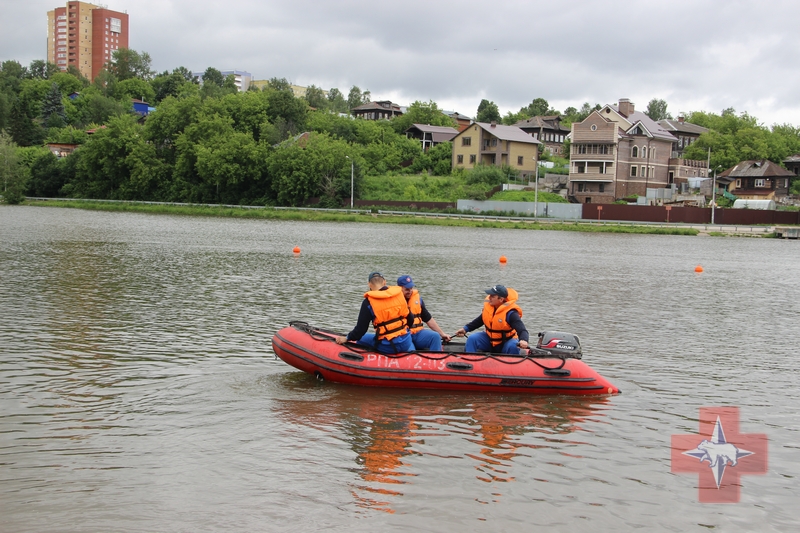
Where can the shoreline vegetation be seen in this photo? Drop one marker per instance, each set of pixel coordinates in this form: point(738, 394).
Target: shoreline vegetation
point(362, 215)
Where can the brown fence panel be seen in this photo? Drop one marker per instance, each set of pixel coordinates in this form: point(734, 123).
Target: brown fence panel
point(635, 213)
point(688, 215)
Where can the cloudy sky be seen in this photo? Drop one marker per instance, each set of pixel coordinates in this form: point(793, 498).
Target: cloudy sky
point(697, 55)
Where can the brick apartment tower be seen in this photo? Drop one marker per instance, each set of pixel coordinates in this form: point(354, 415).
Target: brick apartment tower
point(85, 35)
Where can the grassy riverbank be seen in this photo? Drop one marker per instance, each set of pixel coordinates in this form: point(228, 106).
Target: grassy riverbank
point(361, 216)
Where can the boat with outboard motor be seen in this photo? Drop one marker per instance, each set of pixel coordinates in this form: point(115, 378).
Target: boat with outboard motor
point(554, 366)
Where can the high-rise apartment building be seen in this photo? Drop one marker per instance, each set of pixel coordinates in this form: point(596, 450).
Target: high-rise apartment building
point(85, 35)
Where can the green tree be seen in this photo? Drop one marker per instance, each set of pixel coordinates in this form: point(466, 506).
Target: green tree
point(134, 89)
point(213, 77)
point(105, 166)
point(11, 75)
point(422, 113)
point(280, 84)
point(67, 83)
point(657, 110)
point(41, 69)
point(316, 98)
point(92, 107)
point(126, 64)
point(537, 108)
point(437, 161)
point(105, 82)
point(356, 98)
point(337, 102)
point(46, 178)
point(12, 175)
point(509, 119)
point(317, 168)
point(487, 112)
point(228, 161)
point(23, 130)
point(167, 85)
point(53, 114)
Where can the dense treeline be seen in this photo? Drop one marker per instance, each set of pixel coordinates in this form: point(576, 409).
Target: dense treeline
point(208, 143)
point(205, 143)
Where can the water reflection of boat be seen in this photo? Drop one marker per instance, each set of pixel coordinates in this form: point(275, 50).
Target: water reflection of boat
point(314, 350)
point(402, 437)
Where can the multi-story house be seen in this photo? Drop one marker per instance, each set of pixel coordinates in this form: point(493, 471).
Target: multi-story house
point(383, 109)
point(494, 144)
point(548, 130)
point(685, 134)
point(85, 36)
point(617, 152)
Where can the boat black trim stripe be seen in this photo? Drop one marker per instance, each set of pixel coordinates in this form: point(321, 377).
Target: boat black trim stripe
point(449, 382)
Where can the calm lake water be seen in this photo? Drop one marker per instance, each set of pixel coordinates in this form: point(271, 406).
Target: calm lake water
point(139, 390)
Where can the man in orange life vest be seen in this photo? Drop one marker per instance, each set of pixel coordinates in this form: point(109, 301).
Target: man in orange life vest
point(387, 310)
point(502, 318)
point(424, 339)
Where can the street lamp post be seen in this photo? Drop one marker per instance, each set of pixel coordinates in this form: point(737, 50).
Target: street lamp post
point(714, 193)
point(351, 181)
point(536, 192)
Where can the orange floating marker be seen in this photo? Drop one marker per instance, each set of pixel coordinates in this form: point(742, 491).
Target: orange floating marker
point(503, 259)
point(698, 268)
point(296, 249)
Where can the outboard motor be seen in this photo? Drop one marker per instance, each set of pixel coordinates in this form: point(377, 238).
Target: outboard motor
point(558, 344)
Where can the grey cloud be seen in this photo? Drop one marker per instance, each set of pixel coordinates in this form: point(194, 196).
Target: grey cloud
point(701, 54)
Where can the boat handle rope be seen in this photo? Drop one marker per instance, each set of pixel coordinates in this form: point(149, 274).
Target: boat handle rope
point(326, 335)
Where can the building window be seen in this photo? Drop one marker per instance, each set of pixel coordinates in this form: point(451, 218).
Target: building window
point(634, 153)
point(494, 142)
point(472, 159)
point(459, 159)
point(633, 172)
point(594, 127)
point(759, 183)
point(644, 152)
point(738, 183)
point(519, 160)
point(581, 187)
point(466, 141)
point(602, 187)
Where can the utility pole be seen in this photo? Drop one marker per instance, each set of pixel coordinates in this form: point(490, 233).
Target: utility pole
point(536, 191)
point(351, 181)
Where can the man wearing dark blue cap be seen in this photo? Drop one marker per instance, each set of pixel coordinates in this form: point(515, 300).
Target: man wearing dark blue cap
point(424, 339)
point(502, 319)
point(387, 310)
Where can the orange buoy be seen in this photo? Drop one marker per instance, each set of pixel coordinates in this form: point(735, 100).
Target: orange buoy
point(698, 268)
point(503, 259)
point(296, 249)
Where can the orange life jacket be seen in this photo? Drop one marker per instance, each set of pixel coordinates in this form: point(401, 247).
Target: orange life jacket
point(494, 318)
point(415, 306)
point(391, 312)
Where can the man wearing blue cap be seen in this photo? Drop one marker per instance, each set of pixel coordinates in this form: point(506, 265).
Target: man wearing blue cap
point(424, 339)
point(387, 310)
point(502, 319)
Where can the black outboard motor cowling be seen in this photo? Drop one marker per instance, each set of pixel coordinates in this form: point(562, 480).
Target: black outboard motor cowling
point(559, 344)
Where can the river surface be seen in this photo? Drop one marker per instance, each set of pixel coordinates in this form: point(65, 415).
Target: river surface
point(139, 390)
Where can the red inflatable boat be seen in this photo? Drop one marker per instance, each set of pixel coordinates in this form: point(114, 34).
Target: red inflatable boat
point(553, 367)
